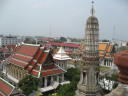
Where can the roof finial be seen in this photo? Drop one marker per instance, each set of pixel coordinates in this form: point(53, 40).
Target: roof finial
point(92, 10)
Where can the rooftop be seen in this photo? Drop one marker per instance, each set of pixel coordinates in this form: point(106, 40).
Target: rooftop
point(61, 55)
point(5, 88)
point(121, 60)
point(37, 60)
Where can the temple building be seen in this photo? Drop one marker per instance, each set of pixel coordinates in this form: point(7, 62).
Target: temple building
point(37, 61)
point(89, 78)
point(106, 53)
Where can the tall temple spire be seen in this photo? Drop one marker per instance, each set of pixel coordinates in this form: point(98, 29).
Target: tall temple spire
point(89, 77)
point(92, 10)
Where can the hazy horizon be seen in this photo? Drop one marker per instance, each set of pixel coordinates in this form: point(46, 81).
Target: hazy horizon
point(66, 18)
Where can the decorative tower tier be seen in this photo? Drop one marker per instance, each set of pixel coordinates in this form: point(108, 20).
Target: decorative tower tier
point(61, 58)
point(89, 78)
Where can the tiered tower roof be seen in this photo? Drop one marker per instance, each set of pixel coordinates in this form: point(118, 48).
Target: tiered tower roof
point(61, 55)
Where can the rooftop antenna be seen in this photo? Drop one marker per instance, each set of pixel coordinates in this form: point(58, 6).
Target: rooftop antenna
point(114, 33)
point(50, 30)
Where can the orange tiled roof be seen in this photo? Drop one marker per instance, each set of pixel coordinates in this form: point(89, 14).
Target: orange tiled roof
point(105, 49)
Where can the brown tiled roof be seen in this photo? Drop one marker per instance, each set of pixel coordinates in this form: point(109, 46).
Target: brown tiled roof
point(1, 94)
point(5, 88)
point(121, 60)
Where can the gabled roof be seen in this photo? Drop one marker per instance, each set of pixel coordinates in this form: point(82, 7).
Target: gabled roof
point(5, 88)
point(61, 55)
point(35, 59)
point(29, 50)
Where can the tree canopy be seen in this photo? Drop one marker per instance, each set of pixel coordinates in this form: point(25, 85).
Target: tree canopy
point(69, 89)
point(28, 84)
point(63, 39)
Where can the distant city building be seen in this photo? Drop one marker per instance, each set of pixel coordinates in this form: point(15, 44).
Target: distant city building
point(8, 40)
point(45, 40)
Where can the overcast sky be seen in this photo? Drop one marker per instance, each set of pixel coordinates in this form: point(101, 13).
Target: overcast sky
point(63, 17)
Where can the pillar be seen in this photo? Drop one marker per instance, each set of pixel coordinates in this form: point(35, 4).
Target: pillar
point(62, 77)
point(57, 78)
point(52, 79)
point(45, 81)
point(81, 77)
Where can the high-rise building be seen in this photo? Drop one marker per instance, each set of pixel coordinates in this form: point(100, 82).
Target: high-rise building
point(89, 78)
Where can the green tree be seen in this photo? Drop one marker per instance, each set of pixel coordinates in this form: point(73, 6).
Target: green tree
point(28, 84)
point(72, 74)
point(69, 89)
point(122, 48)
point(37, 93)
point(63, 39)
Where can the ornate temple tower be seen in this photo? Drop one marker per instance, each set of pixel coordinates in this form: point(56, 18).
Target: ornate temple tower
point(89, 78)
